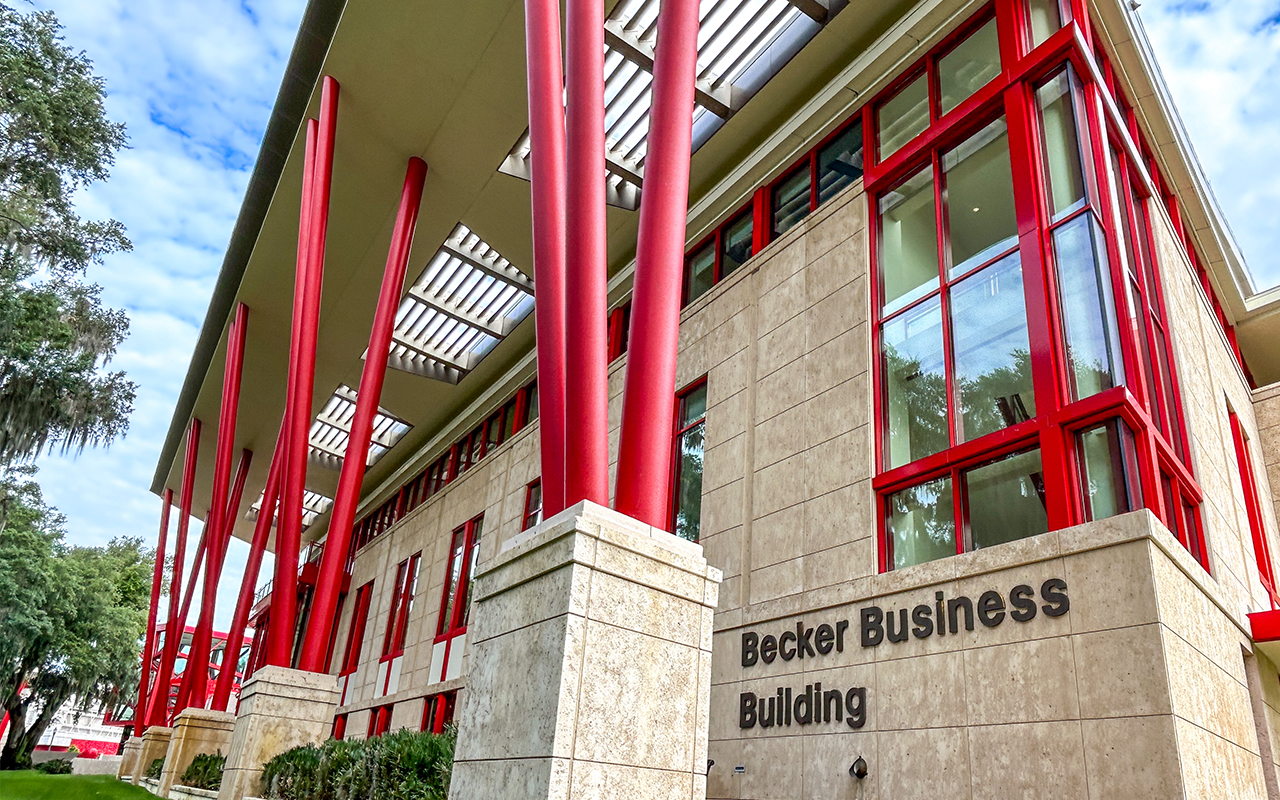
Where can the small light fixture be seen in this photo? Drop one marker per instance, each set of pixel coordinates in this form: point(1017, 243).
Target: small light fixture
point(858, 769)
point(739, 769)
point(976, 209)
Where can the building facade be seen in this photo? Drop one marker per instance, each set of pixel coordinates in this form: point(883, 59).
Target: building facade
point(978, 415)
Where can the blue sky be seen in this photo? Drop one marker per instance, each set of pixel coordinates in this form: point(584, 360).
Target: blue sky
point(194, 83)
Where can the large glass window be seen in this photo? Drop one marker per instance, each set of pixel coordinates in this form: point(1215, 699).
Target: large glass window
point(701, 272)
point(464, 551)
point(791, 201)
point(1017, 278)
point(532, 505)
point(355, 631)
point(839, 163)
point(736, 244)
point(1253, 509)
point(691, 421)
point(969, 66)
point(406, 587)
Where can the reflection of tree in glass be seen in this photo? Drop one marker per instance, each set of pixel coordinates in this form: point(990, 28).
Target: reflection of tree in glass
point(689, 487)
point(933, 519)
point(920, 395)
point(1088, 374)
point(998, 398)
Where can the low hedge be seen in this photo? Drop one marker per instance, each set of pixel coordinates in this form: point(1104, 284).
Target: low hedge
point(205, 771)
point(405, 765)
point(58, 766)
point(154, 770)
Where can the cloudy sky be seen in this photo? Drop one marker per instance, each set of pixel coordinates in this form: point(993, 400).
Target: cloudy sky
point(194, 83)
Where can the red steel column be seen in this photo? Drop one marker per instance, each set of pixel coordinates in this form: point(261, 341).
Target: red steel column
point(547, 168)
point(157, 578)
point(324, 603)
point(648, 404)
point(249, 585)
point(158, 714)
point(284, 598)
point(216, 532)
point(586, 305)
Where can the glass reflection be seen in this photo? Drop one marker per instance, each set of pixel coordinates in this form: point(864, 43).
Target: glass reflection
point(903, 117)
point(969, 67)
point(1005, 500)
point(1088, 309)
point(908, 242)
point(921, 523)
point(915, 385)
point(981, 221)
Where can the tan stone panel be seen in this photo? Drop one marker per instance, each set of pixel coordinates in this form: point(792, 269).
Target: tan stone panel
point(1214, 768)
point(782, 302)
point(837, 463)
point(782, 263)
point(1009, 630)
point(1111, 587)
point(922, 692)
point(839, 517)
point(836, 313)
point(833, 565)
point(781, 346)
point(516, 777)
point(1132, 757)
point(723, 550)
point(844, 263)
point(642, 608)
point(1033, 681)
point(924, 764)
point(591, 780)
point(774, 768)
point(844, 678)
point(728, 378)
point(1188, 612)
point(727, 419)
point(780, 390)
point(636, 699)
point(775, 487)
point(838, 410)
point(842, 223)
point(827, 759)
point(1204, 694)
point(779, 580)
point(1121, 672)
point(723, 463)
point(779, 437)
point(1033, 760)
point(835, 362)
point(778, 537)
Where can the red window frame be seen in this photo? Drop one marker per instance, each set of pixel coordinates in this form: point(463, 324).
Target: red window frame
point(532, 510)
point(1167, 484)
point(355, 633)
point(619, 330)
point(437, 711)
point(339, 726)
point(402, 597)
point(1253, 508)
point(379, 720)
point(673, 494)
point(463, 552)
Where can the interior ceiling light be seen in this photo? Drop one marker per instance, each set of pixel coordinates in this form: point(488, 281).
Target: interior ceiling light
point(331, 430)
point(313, 505)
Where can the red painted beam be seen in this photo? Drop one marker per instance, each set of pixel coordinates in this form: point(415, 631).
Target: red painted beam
point(547, 172)
point(217, 532)
point(648, 404)
point(249, 584)
point(586, 302)
point(158, 711)
point(157, 578)
point(284, 598)
point(347, 498)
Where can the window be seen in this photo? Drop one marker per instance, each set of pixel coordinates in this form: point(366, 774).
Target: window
point(455, 604)
point(339, 726)
point(619, 330)
point(379, 720)
point(819, 176)
point(718, 255)
point(1253, 508)
point(1019, 315)
point(405, 588)
point(691, 418)
point(437, 711)
point(355, 633)
point(532, 504)
point(791, 201)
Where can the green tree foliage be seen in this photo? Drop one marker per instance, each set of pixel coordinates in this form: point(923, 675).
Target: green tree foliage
point(205, 771)
point(71, 620)
point(55, 334)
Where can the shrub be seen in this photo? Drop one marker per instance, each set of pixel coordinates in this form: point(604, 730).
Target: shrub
point(405, 765)
point(58, 766)
point(205, 771)
point(155, 769)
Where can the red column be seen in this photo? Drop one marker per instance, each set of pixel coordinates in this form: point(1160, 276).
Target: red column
point(217, 533)
point(648, 404)
point(248, 586)
point(158, 712)
point(324, 602)
point(284, 598)
point(586, 305)
point(547, 168)
point(157, 578)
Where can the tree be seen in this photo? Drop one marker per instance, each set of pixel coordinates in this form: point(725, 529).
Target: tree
point(55, 334)
point(71, 620)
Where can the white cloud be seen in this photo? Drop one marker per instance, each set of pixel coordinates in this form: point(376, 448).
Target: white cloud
point(1221, 59)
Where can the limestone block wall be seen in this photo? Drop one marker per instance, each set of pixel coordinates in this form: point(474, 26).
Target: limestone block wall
point(1212, 385)
point(1266, 445)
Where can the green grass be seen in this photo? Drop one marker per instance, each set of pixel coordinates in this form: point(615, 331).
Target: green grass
point(32, 785)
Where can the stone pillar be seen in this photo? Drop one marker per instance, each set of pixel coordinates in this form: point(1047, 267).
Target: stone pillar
point(155, 744)
point(280, 709)
point(590, 664)
point(195, 731)
point(129, 758)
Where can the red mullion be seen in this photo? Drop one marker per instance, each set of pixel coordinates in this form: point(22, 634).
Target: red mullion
point(943, 221)
point(522, 409)
point(1080, 16)
point(963, 455)
point(760, 227)
point(442, 624)
point(960, 507)
point(1253, 508)
point(464, 582)
point(1011, 29)
point(813, 182)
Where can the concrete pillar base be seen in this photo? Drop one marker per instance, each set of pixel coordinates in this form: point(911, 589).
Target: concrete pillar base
point(155, 744)
point(129, 759)
point(279, 709)
point(195, 731)
point(590, 665)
